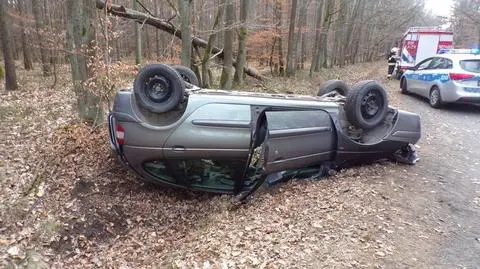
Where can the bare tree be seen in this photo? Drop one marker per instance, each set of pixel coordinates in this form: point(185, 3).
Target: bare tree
point(184, 7)
point(80, 41)
point(5, 36)
point(291, 40)
point(466, 22)
point(227, 71)
point(242, 43)
point(301, 35)
point(26, 49)
point(138, 39)
point(205, 77)
point(39, 22)
point(277, 41)
point(317, 43)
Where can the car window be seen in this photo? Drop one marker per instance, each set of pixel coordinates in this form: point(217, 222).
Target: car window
point(471, 65)
point(440, 63)
point(424, 65)
point(206, 172)
point(448, 64)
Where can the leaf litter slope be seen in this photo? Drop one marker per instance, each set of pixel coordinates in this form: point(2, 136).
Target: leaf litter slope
point(67, 198)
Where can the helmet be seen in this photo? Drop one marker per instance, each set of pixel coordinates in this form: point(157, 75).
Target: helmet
point(394, 50)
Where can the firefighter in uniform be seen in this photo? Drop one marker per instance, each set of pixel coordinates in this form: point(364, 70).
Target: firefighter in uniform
point(392, 61)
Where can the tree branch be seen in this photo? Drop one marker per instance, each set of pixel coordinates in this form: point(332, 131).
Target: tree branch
point(140, 17)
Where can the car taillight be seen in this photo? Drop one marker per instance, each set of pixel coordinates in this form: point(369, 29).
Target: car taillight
point(119, 133)
point(460, 76)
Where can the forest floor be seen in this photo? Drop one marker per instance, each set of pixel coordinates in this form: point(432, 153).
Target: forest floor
point(65, 201)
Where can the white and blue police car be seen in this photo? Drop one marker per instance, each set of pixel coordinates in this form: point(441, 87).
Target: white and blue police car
point(449, 77)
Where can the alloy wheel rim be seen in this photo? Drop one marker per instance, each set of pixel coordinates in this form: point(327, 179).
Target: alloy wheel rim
point(434, 96)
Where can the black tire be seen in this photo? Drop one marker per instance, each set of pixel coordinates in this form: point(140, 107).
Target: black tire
point(403, 86)
point(187, 74)
point(435, 99)
point(367, 104)
point(333, 85)
point(158, 88)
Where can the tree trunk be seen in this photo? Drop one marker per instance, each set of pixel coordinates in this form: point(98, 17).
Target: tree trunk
point(227, 71)
point(206, 82)
point(138, 39)
point(340, 36)
point(301, 34)
point(184, 7)
point(359, 26)
point(242, 43)
point(327, 22)
point(147, 49)
point(318, 31)
point(279, 41)
point(39, 23)
point(27, 53)
point(80, 40)
point(157, 33)
point(10, 72)
point(291, 40)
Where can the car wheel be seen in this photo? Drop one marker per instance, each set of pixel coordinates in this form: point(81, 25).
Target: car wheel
point(403, 86)
point(158, 88)
point(333, 85)
point(435, 97)
point(366, 105)
point(187, 74)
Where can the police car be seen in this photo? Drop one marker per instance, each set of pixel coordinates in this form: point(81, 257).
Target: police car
point(451, 77)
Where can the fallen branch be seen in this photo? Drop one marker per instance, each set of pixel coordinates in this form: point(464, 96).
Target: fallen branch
point(140, 17)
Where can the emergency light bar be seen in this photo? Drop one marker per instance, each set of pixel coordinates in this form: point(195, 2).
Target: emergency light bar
point(460, 51)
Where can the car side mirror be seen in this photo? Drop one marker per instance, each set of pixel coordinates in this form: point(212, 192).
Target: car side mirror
point(413, 68)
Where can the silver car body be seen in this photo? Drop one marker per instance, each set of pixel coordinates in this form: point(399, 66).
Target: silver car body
point(440, 71)
point(226, 127)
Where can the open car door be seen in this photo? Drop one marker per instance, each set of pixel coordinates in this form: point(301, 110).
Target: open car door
point(297, 139)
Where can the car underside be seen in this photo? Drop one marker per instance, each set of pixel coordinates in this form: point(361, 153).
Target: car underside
point(233, 142)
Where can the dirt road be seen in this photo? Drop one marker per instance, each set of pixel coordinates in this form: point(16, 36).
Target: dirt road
point(66, 202)
point(446, 191)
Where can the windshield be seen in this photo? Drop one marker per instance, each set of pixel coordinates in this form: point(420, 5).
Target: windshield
point(471, 65)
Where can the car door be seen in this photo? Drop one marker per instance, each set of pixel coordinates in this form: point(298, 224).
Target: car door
point(415, 79)
point(298, 139)
point(428, 76)
point(435, 74)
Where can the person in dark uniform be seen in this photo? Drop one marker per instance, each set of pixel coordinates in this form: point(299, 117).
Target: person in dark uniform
point(392, 61)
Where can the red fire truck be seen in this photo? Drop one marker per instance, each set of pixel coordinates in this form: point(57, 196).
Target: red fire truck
point(419, 43)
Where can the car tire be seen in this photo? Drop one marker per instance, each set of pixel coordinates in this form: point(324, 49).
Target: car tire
point(403, 85)
point(187, 74)
point(435, 99)
point(333, 85)
point(158, 88)
point(366, 105)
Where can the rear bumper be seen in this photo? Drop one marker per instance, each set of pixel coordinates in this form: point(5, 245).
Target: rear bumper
point(453, 92)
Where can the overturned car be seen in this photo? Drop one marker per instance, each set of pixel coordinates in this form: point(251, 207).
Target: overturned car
point(171, 132)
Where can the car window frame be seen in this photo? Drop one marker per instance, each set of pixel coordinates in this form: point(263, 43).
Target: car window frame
point(417, 67)
point(443, 59)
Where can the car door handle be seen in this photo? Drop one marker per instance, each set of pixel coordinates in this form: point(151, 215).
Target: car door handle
point(178, 148)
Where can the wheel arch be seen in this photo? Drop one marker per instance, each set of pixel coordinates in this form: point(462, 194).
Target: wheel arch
point(402, 79)
point(435, 85)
